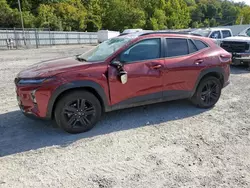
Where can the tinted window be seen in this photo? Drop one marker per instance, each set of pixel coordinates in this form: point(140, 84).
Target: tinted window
point(147, 49)
point(192, 47)
point(200, 45)
point(177, 47)
point(226, 33)
point(248, 32)
point(215, 35)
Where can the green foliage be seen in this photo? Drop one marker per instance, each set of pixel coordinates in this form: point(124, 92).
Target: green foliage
point(8, 17)
point(158, 20)
point(178, 15)
point(119, 15)
point(68, 16)
point(29, 19)
point(47, 18)
point(244, 16)
point(92, 15)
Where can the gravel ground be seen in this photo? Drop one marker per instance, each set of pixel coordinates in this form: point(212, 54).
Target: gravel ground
point(165, 145)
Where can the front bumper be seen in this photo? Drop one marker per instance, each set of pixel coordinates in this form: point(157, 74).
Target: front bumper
point(33, 100)
point(240, 58)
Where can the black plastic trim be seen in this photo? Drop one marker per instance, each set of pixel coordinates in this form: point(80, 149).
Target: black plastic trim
point(203, 73)
point(189, 48)
point(152, 98)
point(75, 85)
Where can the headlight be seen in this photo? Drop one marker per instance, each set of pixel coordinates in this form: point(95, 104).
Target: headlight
point(34, 81)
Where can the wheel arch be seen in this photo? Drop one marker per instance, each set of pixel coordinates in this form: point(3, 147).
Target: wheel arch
point(90, 86)
point(217, 72)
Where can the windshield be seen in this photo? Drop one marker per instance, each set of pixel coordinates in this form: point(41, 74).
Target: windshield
point(104, 50)
point(245, 33)
point(204, 33)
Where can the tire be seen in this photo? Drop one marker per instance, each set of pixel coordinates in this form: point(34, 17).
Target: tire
point(207, 93)
point(78, 112)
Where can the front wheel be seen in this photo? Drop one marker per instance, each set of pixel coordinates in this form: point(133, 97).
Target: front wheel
point(78, 112)
point(207, 93)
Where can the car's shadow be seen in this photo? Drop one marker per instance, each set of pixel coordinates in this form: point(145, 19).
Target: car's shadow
point(19, 133)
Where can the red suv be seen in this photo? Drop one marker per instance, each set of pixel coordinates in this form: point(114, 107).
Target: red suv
point(126, 71)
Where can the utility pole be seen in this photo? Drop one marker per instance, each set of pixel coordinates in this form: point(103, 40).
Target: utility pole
point(241, 20)
point(21, 16)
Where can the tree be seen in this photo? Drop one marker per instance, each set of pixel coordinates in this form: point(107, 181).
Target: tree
point(178, 15)
point(206, 13)
point(94, 14)
point(154, 10)
point(229, 13)
point(68, 16)
point(122, 16)
point(158, 20)
point(245, 15)
point(47, 18)
point(72, 14)
point(8, 17)
point(29, 19)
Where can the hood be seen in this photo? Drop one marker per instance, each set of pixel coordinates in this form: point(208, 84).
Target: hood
point(238, 39)
point(51, 68)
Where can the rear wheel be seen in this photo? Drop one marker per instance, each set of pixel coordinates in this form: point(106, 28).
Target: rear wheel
point(207, 93)
point(78, 112)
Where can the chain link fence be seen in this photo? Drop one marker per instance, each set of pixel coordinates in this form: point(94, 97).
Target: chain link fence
point(16, 38)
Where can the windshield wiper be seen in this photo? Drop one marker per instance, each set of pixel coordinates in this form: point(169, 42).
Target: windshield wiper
point(80, 58)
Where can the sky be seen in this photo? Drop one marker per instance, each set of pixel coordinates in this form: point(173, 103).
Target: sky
point(246, 1)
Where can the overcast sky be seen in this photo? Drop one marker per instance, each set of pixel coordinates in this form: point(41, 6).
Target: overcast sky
point(246, 1)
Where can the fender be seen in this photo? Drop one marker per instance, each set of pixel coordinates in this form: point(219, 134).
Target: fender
point(203, 73)
point(75, 85)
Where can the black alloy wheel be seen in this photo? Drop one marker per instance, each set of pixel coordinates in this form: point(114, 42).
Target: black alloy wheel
point(78, 112)
point(210, 92)
point(207, 93)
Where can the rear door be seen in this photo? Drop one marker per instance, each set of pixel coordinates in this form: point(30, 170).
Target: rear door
point(183, 63)
point(143, 63)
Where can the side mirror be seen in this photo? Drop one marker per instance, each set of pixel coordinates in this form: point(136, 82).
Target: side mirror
point(117, 64)
point(124, 77)
point(122, 73)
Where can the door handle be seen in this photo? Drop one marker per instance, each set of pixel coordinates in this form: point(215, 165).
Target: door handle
point(156, 66)
point(199, 61)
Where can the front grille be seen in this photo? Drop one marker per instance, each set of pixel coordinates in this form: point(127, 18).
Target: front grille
point(238, 47)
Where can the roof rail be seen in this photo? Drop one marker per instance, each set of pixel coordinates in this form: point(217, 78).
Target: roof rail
point(169, 32)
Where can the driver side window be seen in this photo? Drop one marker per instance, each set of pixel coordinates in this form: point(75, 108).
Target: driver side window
point(143, 50)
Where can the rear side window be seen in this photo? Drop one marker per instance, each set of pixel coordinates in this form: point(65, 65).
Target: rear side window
point(177, 47)
point(200, 45)
point(192, 47)
point(226, 33)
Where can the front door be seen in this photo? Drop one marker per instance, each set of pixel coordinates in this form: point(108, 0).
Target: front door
point(143, 63)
